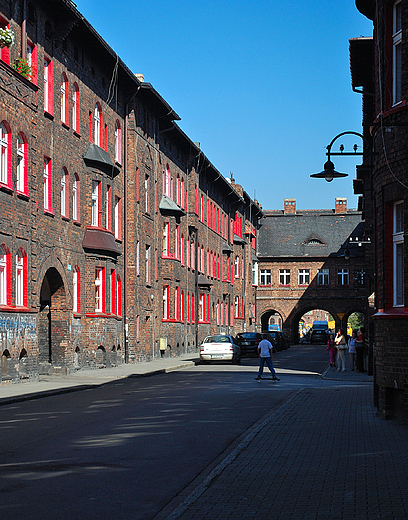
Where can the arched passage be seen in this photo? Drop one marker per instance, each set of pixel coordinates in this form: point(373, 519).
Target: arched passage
point(271, 319)
point(52, 319)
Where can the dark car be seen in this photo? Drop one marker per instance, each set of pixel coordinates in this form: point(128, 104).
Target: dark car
point(277, 339)
point(248, 341)
point(318, 336)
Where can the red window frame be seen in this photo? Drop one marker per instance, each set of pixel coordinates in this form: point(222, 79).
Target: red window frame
point(76, 306)
point(4, 251)
point(9, 156)
point(76, 109)
point(24, 145)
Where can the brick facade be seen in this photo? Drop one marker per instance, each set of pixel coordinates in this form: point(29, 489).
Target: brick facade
point(384, 191)
point(119, 238)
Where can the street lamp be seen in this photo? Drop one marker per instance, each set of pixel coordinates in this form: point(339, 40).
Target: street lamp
point(329, 173)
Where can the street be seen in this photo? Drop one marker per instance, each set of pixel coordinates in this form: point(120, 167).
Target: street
point(128, 449)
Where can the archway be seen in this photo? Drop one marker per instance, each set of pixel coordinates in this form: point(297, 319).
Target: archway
point(303, 325)
point(52, 319)
point(271, 320)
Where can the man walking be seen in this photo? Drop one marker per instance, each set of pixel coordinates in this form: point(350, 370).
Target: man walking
point(265, 351)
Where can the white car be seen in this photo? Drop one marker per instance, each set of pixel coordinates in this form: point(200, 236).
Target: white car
point(220, 347)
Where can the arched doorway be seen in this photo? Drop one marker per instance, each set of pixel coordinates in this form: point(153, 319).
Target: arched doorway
point(52, 320)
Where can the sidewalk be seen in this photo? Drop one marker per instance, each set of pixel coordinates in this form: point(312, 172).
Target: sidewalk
point(52, 385)
point(323, 455)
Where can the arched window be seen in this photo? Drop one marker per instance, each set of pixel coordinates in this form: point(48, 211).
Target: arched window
point(22, 164)
point(21, 278)
point(76, 198)
point(98, 125)
point(5, 154)
point(4, 275)
point(64, 100)
point(118, 142)
point(48, 86)
point(65, 193)
point(76, 279)
point(76, 126)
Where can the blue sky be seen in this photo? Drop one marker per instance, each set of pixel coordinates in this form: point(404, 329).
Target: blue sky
point(264, 86)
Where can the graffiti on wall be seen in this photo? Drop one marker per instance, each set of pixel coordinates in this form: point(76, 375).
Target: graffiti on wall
point(17, 332)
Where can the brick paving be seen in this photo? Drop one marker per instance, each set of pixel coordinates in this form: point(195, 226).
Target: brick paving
point(323, 454)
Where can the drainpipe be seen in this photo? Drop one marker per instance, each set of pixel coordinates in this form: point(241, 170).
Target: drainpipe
point(125, 242)
point(24, 32)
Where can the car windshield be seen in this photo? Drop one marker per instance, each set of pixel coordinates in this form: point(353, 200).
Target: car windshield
point(217, 339)
point(247, 335)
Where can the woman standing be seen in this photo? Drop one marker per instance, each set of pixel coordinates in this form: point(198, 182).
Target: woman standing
point(341, 345)
point(352, 350)
point(332, 350)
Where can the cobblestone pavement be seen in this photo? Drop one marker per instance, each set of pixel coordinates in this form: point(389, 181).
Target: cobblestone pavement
point(323, 455)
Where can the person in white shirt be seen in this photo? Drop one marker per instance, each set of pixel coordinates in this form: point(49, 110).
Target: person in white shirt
point(265, 351)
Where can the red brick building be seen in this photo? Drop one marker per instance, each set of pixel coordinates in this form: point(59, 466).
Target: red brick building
point(379, 72)
point(119, 240)
point(309, 260)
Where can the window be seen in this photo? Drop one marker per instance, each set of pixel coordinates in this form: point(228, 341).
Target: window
point(147, 264)
point(4, 51)
point(97, 127)
point(236, 267)
point(76, 198)
point(5, 155)
point(177, 243)
point(323, 277)
point(397, 51)
point(284, 276)
point(64, 194)
point(113, 291)
point(118, 296)
point(255, 273)
point(398, 254)
point(4, 275)
point(359, 277)
point(99, 289)
point(137, 258)
point(76, 109)
point(118, 218)
point(201, 308)
point(48, 86)
point(22, 164)
point(265, 277)
point(182, 246)
point(177, 304)
point(342, 277)
point(95, 216)
point(304, 276)
point(76, 280)
point(64, 100)
point(108, 207)
point(167, 182)
point(146, 186)
point(236, 307)
point(118, 143)
point(166, 302)
point(166, 239)
point(182, 318)
point(32, 57)
point(48, 185)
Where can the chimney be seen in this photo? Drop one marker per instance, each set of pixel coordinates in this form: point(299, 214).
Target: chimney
point(289, 207)
point(340, 205)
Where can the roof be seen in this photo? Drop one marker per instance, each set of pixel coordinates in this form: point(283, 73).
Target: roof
point(361, 61)
point(311, 233)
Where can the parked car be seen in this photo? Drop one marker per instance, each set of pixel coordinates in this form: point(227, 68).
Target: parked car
point(318, 336)
point(248, 341)
point(277, 340)
point(220, 347)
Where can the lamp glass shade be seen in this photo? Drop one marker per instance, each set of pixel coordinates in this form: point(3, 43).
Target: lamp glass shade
point(329, 173)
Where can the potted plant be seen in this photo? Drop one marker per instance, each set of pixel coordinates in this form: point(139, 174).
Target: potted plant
point(22, 66)
point(6, 37)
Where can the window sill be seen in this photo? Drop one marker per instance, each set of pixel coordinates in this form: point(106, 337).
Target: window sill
point(8, 308)
point(65, 125)
point(394, 313)
point(22, 195)
point(48, 115)
point(97, 315)
point(6, 187)
point(76, 315)
point(76, 222)
point(76, 134)
point(50, 212)
point(67, 219)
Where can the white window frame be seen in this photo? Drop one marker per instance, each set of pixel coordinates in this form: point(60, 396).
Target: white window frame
point(64, 193)
point(304, 276)
point(398, 254)
point(4, 151)
point(20, 169)
point(284, 276)
point(75, 197)
point(95, 203)
point(397, 52)
point(117, 218)
point(3, 277)
point(75, 290)
point(323, 277)
point(97, 126)
point(264, 276)
point(342, 276)
point(98, 289)
point(255, 273)
point(236, 267)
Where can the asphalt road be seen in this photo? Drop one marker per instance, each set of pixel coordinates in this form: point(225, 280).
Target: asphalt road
point(127, 449)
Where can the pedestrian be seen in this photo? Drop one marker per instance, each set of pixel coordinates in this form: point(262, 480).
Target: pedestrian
point(341, 345)
point(265, 351)
point(360, 349)
point(352, 350)
point(332, 350)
